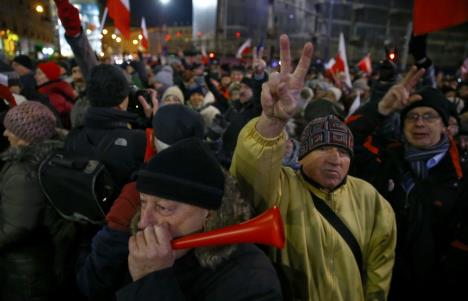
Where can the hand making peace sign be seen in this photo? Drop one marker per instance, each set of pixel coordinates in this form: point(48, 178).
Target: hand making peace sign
point(399, 96)
point(280, 94)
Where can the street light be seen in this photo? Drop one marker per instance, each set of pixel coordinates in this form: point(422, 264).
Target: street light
point(164, 2)
point(135, 42)
point(118, 40)
point(114, 36)
point(104, 31)
point(39, 8)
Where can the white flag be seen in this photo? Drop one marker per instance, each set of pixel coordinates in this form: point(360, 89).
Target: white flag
point(342, 54)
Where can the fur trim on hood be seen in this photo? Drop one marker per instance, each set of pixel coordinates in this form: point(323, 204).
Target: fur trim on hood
point(33, 153)
point(234, 210)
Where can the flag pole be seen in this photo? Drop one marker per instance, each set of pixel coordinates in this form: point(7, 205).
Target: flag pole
point(103, 19)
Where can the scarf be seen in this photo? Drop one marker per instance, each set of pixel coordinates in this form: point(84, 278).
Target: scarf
point(417, 158)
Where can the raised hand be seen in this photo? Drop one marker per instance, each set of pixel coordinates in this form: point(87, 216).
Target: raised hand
point(258, 64)
point(399, 96)
point(150, 250)
point(281, 93)
point(150, 110)
point(69, 16)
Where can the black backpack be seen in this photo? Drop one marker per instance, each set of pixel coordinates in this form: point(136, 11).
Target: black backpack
point(79, 187)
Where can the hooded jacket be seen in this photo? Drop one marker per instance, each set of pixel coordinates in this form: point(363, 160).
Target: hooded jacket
point(316, 263)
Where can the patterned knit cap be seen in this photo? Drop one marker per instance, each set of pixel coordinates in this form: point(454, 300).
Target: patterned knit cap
point(326, 131)
point(31, 121)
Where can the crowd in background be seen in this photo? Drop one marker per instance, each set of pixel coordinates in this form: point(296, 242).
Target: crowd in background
point(415, 154)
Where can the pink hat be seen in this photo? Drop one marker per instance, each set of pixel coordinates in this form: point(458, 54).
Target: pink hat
point(31, 121)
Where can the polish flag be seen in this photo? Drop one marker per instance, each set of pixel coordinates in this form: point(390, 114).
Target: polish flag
point(119, 11)
point(144, 33)
point(243, 48)
point(365, 64)
point(340, 64)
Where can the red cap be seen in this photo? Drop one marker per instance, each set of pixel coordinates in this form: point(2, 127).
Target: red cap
point(50, 69)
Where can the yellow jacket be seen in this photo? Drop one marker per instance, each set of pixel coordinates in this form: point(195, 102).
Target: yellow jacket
point(317, 262)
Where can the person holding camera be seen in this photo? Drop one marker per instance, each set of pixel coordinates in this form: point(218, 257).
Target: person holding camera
point(107, 119)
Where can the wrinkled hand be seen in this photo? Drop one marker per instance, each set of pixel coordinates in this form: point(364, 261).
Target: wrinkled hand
point(280, 94)
point(399, 96)
point(150, 250)
point(69, 16)
point(150, 110)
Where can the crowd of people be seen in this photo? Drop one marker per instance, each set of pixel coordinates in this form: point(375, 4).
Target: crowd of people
point(373, 196)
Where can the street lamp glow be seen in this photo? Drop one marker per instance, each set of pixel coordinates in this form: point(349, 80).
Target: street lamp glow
point(39, 8)
point(164, 2)
point(135, 42)
point(140, 37)
point(118, 40)
point(104, 31)
point(114, 36)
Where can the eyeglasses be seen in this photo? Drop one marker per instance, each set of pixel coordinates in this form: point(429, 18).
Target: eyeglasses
point(426, 117)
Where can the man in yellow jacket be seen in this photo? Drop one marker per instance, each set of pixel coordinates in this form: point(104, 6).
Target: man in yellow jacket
point(317, 263)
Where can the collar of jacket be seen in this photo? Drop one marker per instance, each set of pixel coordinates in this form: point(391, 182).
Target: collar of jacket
point(318, 189)
point(33, 153)
point(108, 118)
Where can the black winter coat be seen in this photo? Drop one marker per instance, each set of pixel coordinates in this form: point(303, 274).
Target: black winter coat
point(424, 213)
point(246, 275)
point(25, 245)
point(124, 148)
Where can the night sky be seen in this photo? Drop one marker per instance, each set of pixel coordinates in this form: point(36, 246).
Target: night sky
point(175, 13)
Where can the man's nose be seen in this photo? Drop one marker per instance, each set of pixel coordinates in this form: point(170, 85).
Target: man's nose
point(146, 219)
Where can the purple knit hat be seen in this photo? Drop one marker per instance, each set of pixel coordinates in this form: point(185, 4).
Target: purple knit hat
point(31, 121)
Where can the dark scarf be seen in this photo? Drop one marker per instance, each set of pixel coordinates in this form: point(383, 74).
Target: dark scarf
point(417, 158)
point(108, 118)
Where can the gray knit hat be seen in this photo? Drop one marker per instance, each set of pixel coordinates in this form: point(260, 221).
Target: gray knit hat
point(165, 76)
point(31, 121)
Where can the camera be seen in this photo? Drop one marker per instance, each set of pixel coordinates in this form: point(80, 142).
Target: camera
point(134, 105)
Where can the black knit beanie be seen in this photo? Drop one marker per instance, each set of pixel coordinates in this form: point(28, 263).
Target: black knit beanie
point(176, 122)
point(25, 61)
point(432, 98)
point(185, 172)
point(107, 86)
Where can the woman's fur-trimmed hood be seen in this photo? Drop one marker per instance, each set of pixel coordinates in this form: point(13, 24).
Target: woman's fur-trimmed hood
point(234, 210)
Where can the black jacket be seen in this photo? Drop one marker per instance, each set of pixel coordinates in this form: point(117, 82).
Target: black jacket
point(25, 245)
point(424, 212)
point(247, 275)
point(124, 148)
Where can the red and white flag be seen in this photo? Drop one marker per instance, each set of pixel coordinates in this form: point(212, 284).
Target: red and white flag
point(365, 64)
point(144, 34)
point(340, 64)
point(244, 48)
point(119, 11)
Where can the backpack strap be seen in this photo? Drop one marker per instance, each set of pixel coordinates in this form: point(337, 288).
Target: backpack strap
point(341, 228)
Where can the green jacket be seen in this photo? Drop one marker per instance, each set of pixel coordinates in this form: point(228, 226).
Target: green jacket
point(316, 262)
